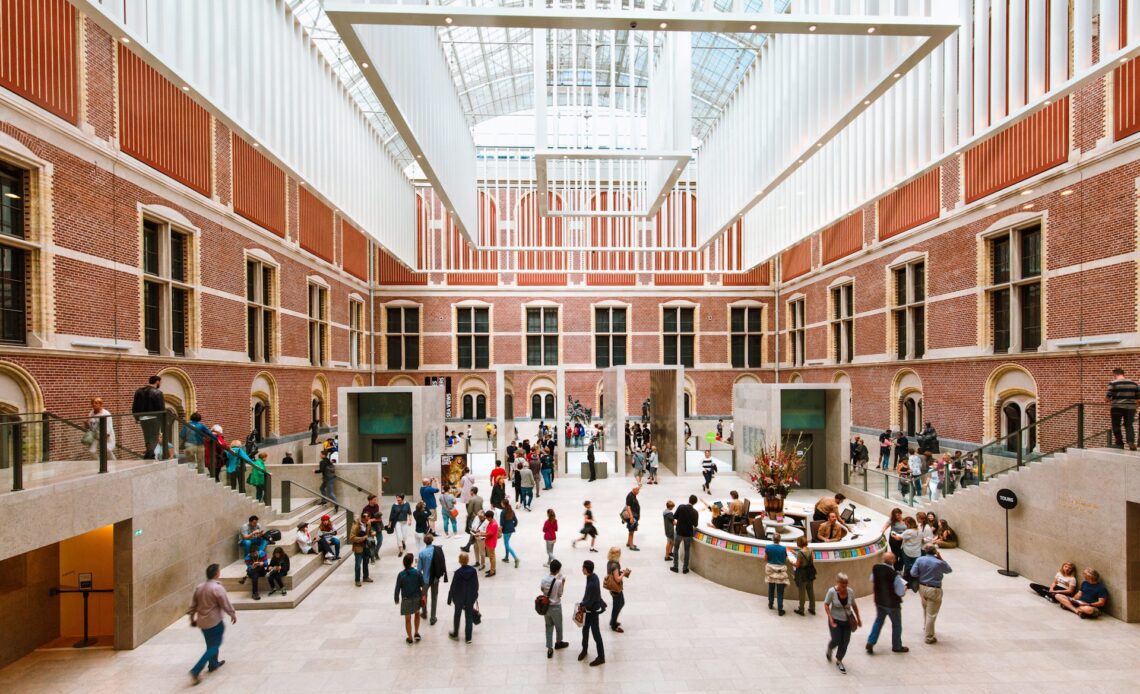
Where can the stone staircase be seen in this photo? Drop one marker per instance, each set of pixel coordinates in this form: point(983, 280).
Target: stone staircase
point(306, 571)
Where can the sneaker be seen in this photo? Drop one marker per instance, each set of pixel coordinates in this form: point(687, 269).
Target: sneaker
point(453, 636)
point(418, 638)
point(669, 557)
point(673, 569)
point(771, 606)
point(195, 678)
point(811, 611)
point(432, 621)
point(781, 613)
point(358, 584)
point(593, 550)
point(282, 592)
point(839, 666)
point(870, 649)
point(516, 562)
point(685, 571)
point(549, 652)
point(468, 642)
point(216, 667)
point(904, 649)
point(559, 645)
point(273, 592)
point(597, 661)
point(409, 640)
point(635, 548)
point(367, 580)
point(243, 580)
point(799, 611)
point(256, 596)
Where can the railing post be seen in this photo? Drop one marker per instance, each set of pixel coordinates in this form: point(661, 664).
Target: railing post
point(45, 437)
point(1017, 444)
point(241, 475)
point(865, 476)
point(102, 445)
point(286, 493)
point(7, 433)
point(165, 439)
point(267, 499)
point(1080, 425)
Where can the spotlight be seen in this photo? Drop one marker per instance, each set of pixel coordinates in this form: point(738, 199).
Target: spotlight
point(811, 28)
point(751, 27)
point(1067, 192)
point(664, 25)
point(364, 65)
point(447, 20)
point(870, 30)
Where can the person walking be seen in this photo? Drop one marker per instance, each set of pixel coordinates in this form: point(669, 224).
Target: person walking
point(805, 576)
point(422, 519)
point(552, 586)
point(590, 462)
point(526, 486)
point(209, 603)
point(685, 520)
point(433, 567)
point(148, 407)
point(550, 535)
point(708, 469)
point(1121, 397)
point(592, 607)
point(474, 507)
point(631, 514)
point(588, 529)
point(638, 464)
point(491, 540)
point(91, 436)
point(463, 595)
point(193, 435)
point(929, 571)
point(776, 573)
point(466, 487)
point(615, 584)
point(409, 596)
point(361, 532)
point(399, 517)
point(509, 522)
point(326, 468)
point(886, 442)
point(448, 511)
point(842, 619)
point(428, 492)
point(888, 588)
point(546, 460)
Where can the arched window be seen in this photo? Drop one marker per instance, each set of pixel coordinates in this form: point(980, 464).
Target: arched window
point(468, 406)
point(1019, 413)
point(317, 414)
point(688, 406)
point(480, 406)
point(536, 406)
point(549, 401)
point(912, 409)
point(260, 413)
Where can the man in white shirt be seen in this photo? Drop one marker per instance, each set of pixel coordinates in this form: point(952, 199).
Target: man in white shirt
point(206, 608)
point(552, 586)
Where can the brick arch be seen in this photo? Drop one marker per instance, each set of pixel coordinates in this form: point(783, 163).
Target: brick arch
point(320, 391)
point(402, 381)
point(1004, 382)
point(904, 384)
point(183, 398)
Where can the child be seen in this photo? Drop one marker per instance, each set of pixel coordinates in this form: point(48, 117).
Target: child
point(667, 514)
point(587, 528)
point(550, 534)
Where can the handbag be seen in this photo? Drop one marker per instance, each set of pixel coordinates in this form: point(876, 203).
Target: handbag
point(610, 584)
point(542, 602)
point(476, 615)
point(454, 512)
point(579, 615)
point(88, 437)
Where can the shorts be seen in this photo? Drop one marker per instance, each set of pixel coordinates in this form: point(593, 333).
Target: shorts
point(433, 515)
point(589, 530)
point(670, 536)
point(409, 606)
point(631, 525)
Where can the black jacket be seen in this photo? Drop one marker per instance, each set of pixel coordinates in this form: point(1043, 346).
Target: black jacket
point(592, 600)
point(464, 588)
point(438, 568)
point(148, 399)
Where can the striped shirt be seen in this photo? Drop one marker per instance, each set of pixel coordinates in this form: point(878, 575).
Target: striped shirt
point(1123, 393)
point(708, 466)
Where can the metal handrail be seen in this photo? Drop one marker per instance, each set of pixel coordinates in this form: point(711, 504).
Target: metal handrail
point(287, 496)
point(356, 486)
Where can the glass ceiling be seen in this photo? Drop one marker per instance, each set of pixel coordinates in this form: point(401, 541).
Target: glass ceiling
point(492, 66)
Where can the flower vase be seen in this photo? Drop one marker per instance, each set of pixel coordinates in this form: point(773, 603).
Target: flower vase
point(774, 506)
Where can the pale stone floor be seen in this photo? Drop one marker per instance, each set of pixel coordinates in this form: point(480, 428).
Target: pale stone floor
point(683, 633)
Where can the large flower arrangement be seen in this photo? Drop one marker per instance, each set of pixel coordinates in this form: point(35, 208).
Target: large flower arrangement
point(776, 471)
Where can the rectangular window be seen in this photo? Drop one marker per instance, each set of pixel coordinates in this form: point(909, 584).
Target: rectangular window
point(797, 332)
point(745, 325)
point(167, 295)
point(909, 311)
point(261, 311)
point(843, 323)
point(318, 325)
point(473, 327)
point(403, 337)
point(542, 336)
point(679, 336)
point(609, 337)
point(1014, 294)
point(356, 348)
point(13, 259)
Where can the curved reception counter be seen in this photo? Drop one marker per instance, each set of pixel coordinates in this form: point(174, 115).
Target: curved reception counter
point(737, 561)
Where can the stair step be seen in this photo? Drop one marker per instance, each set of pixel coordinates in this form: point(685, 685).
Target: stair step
point(243, 600)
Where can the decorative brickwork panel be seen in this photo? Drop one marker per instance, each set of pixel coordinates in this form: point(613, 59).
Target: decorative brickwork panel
point(911, 205)
point(612, 279)
point(679, 279)
point(796, 261)
point(38, 54)
point(390, 271)
point(541, 279)
point(473, 279)
point(161, 126)
point(316, 225)
point(843, 238)
point(1021, 151)
point(759, 276)
point(258, 187)
point(1126, 99)
point(355, 251)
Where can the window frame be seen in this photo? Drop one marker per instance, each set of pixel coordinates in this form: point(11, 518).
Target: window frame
point(403, 335)
point(357, 344)
point(320, 348)
point(680, 335)
point(266, 306)
point(167, 286)
point(543, 337)
point(797, 331)
point(909, 310)
point(473, 335)
point(611, 338)
point(747, 334)
point(841, 321)
point(1013, 287)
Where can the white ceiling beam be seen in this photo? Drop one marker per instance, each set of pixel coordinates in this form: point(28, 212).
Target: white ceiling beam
point(641, 19)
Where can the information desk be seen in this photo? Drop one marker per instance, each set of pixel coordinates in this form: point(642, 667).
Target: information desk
point(737, 561)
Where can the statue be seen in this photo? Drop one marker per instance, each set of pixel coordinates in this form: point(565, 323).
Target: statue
point(645, 411)
point(576, 413)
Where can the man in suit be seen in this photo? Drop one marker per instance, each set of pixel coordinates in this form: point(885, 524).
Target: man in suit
point(590, 461)
point(593, 605)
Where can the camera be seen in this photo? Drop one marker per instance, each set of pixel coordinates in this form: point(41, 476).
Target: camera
point(633, 25)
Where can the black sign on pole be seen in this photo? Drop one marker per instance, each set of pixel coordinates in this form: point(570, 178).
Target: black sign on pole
point(1007, 499)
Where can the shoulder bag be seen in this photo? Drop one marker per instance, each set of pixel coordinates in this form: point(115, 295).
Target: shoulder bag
point(542, 602)
point(611, 584)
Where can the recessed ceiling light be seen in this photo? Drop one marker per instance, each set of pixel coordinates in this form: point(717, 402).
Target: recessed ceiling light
point(811, 28)
point(185, 88)
point(866, 102)
point(870, 30)
point(447, 20)
point(364, 65)
point(664, 25)
point(1027, 191)
point(1027, 206)
point(751, 27)
point(819, 144)
point(898, 75)
point(256, 145)
point(126, 39)
point(1067, 192)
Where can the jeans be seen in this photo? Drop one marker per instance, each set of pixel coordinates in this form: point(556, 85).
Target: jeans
point(687, 543)
point(276, 580)
point(246, 545)
point(527, 496)
point(151, 426)
point(507, 551)
point(328, 485)
point(619, 602)
point(547, 478)
point(329, 544)
point(807, 589)
point(840, 637)
point(881, 614)
point(931, 604)
point(885, 459)
point(433, 598)
point(361, 559)
point(467, 624)
point(553, 619)
point(776, 592)
point(1123, 417)
point(590, 626)
point(253, 575)
point(549, 551)
point(213, 637)
point(448, 520)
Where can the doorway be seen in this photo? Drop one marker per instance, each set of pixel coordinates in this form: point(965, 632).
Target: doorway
point(395, 456)
point(804, 443)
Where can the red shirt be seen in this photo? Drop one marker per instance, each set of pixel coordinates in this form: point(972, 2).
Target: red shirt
point(492, 535)
point(548, 529)
point(497, 473)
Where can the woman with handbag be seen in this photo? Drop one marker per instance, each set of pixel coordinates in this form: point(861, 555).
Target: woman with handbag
point(615, 584)
point(491, 540)
point(91, 436)
point(805, 576)
point(449, 512)
point(463, 594)
point(842, 619)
